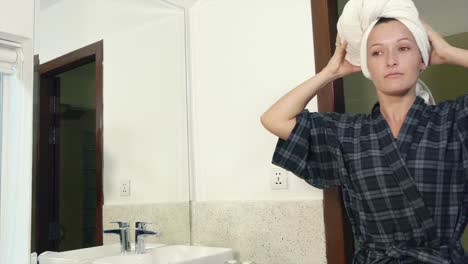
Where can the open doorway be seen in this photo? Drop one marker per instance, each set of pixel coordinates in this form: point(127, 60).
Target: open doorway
point(67, 205)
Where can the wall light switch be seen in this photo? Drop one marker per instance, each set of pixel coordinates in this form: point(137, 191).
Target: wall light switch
point(125, 188)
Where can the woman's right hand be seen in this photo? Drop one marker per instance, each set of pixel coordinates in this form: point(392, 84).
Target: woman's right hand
point(338, 66)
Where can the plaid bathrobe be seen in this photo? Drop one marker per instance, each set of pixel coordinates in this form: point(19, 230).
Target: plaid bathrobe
point(406, 197)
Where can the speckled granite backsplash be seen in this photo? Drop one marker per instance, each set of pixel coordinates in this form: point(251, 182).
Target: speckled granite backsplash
point(266, 232)
point(171, 219)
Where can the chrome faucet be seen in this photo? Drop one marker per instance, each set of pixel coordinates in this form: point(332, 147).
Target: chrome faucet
point(122, 231)
point(140, 234)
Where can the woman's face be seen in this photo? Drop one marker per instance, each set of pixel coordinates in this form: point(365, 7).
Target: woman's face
point(393, 58)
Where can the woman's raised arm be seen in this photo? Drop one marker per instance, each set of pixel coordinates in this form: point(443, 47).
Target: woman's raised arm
point(444, 53)
point(280, 118)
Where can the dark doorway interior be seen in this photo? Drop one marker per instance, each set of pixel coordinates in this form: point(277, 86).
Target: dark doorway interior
point(76, 157)
point(67, 203)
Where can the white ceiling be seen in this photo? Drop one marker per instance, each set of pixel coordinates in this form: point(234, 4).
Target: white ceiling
point(447, 17)
point(44, 4)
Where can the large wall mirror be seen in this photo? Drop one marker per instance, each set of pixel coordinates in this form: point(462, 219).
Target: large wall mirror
point(111, 123)
point(110, 127)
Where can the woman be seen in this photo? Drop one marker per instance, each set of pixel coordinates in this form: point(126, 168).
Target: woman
point(402, 168)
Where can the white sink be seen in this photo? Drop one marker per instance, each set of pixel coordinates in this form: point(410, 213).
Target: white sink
point(85, 255)
point(175, 254)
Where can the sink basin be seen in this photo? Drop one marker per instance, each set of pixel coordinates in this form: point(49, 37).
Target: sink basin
point(175, 254)
point(85, 255)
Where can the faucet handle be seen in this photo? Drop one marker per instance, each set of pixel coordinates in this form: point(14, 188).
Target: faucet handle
point(121, 224)
point(141, 225)
point(122, 232)
point(140, 233)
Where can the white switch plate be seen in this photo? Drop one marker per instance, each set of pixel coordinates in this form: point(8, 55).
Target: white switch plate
point(278, 178)
point(125, 188)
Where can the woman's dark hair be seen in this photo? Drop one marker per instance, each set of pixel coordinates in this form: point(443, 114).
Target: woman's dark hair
point(385, 20)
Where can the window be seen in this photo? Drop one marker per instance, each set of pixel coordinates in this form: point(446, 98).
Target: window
point(1, 122)
point(15, 149)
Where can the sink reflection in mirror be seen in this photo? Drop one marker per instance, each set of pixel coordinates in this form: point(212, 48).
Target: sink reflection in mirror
point(175, 254)
point(86, 255)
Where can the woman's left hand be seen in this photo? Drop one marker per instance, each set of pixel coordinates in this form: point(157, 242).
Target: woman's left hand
point(440, 48)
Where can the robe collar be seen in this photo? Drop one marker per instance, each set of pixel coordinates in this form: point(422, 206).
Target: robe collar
point(395, 153)
point(408, 134)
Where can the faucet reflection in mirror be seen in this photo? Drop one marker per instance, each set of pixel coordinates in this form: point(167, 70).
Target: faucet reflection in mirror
point(122, 231)
point(140, 234)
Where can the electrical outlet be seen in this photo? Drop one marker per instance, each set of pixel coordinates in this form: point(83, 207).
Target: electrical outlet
point(125, 188)
point(279, 178)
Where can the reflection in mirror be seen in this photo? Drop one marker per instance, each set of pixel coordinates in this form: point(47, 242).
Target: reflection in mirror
point(110, 109)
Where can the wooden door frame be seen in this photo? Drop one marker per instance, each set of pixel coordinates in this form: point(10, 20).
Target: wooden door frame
point(47, 167)
point(74, 59)
point(338, 233)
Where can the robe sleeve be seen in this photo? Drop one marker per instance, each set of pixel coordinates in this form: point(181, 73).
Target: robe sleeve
point(461, 119)
point(462, 125)
point(312, 151)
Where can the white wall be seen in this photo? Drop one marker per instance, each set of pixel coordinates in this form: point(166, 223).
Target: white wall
point(246, 54)
point(17, 24)
point(17, 18)
point(144, 89)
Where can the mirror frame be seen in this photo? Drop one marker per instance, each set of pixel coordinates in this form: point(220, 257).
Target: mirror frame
point(338, 233)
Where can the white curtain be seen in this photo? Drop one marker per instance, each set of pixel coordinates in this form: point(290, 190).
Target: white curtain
point(1, 126)
point(10, 59)
point(15, 174)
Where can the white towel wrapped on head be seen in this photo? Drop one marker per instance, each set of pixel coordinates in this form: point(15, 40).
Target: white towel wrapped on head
point(359, 18)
